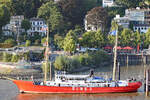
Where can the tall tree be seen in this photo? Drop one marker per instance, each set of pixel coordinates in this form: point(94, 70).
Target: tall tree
point(136, 37)
point(4, 16)
point(28, 8)
point(99, 39)
point(70, 42)
point(72, 11)
point(97, 17)
point(126, 37)
point(52, 15)
point(25, 24)
point(88, 39)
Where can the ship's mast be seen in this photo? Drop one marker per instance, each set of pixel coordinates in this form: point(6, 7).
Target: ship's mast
point(115, 53)
point(47, 56)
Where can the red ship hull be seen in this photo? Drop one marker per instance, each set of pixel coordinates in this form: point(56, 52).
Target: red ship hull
point(29, 87)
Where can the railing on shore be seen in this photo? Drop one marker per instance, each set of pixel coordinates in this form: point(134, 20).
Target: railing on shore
point(132, 59)
point(22, 77)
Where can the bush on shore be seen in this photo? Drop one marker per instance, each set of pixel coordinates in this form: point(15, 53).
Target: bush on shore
point(91, 59)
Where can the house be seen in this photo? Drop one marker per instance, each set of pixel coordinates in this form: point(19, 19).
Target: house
point(108, 3)
point(93, 27)
point(37, 27)
point(137, 18)
point(14, 26)
point(123, 21)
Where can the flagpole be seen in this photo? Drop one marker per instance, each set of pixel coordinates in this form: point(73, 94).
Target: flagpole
point(115, 55)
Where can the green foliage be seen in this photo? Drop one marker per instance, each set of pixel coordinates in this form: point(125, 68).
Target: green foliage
point(111, 40)
point(147, 38)
point(43, 40)
point(88, 39)
point(93, 59)
point(93, 39)
point(4, 15)
point(126, 37)
point(136, 39)
point(28, 43)
point(70, 42)
point(25, 24)
point(28, 8)
point(58, 41)
point(52, 15)
point(129, 3)
point(10, 41)
point(14, 58)
point(7, 57)
point(62, 63)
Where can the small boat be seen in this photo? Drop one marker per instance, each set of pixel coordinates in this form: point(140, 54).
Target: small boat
point(64, 83)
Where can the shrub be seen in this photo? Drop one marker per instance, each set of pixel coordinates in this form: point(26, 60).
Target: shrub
point(14, 58)
point(7, 57)
point(10, 41)
point(28, 43)
point(62, 63)
point(88, 59)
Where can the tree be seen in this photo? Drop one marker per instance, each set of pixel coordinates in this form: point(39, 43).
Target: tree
point(6, 57)
point(126, 37)
point(88, 39)
point(147, 38)
point(62, 63)
point(128, 3)
point(14, 58)
point(93, 39)
point(58, 41)
point(52, 15)
point(72, 11)
point(70, 42)
point(136, 39)
point(28, 8)
point(99, 39)
point(25, 24)
point(4, 16)
point(97, 17)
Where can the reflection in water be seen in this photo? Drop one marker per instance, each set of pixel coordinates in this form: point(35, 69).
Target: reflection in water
point(113, 96)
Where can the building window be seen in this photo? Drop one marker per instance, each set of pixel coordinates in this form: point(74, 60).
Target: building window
point(33, 23)
point(88, 28)
point(38, 28)
point(40, 23)
point(33, 28)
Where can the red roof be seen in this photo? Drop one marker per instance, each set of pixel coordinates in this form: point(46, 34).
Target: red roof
point(119, 47)
point(108, 47)
point(128, 48)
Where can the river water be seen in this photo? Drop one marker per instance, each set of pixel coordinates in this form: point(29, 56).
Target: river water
point(9, 91)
